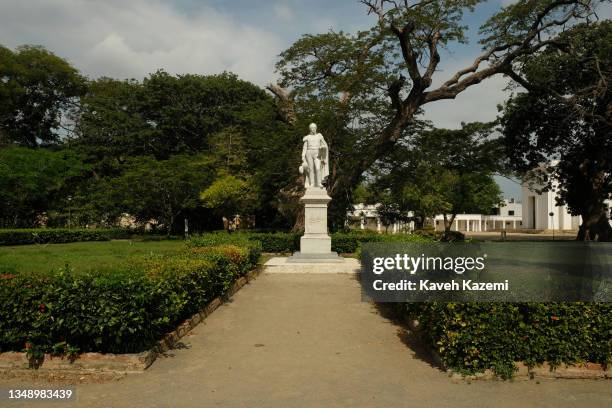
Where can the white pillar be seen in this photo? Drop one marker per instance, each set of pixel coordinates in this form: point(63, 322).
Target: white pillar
point(485, 225)
point(378, 225)
point(467, 225)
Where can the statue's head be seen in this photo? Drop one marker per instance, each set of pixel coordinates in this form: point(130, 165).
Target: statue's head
point(313, 128)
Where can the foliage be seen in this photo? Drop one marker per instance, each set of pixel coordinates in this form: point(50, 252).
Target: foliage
point(164, 115)
point(441, 171)
point(33, 181)
point(277, 242)
point(473, 337)
point(350, 242)
point(341, 242)
point(120, 311)
point(57, 235)
point(156, 189)
point(230, 197)
point(366, 89)
point(224, 125)
point(566, 116)
point(37, 89)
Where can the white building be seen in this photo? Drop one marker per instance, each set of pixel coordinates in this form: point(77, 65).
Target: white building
point(541, 212)
point(505, 217)
point(367, 218)
point(508, 217)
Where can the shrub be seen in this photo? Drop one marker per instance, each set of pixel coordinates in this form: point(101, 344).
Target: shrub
point(277, 241)
point(473, 337)
point(341, 242)
point(58, 235)
point(350, 242)
point(119, 311)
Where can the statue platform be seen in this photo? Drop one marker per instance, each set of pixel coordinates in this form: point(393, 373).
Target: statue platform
point(283, 265)
point(315, 244)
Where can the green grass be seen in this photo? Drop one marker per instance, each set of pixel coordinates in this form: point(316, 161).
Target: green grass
point(80, 256)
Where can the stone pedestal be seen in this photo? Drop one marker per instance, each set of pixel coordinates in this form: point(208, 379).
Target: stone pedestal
point(315, 244)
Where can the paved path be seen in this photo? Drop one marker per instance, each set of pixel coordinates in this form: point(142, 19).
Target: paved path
point(308, 341)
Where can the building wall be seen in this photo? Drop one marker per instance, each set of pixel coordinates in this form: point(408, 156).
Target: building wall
point(536, 209)
point(511, 208)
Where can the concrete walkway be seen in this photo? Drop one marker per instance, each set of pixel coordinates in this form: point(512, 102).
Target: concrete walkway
point(291, 340)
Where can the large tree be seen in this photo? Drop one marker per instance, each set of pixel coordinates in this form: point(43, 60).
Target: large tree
point(38, 90)
point(442, 171)
point(234, 122)
point(161, 190)
point(372, 84)
point(35, 181)
point(562, 124)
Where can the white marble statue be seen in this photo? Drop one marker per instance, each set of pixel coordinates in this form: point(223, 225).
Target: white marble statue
point(315, 158)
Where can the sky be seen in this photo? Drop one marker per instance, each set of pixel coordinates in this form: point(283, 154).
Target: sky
point(132, 38)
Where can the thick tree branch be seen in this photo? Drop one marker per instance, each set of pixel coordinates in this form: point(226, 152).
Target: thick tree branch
point(285, 105)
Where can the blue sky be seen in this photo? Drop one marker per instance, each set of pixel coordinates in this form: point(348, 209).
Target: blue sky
point(131, 38)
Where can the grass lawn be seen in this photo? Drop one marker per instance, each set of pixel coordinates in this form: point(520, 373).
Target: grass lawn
point(81, 256)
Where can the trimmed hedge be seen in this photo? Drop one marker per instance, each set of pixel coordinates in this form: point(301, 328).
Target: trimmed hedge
point(473, 337)
point(123, 311)
point(281, 242)
point(345, 243)
point(58, 235)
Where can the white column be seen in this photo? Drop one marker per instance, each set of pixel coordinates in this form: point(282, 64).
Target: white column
point(467, 225)
point(378, 225)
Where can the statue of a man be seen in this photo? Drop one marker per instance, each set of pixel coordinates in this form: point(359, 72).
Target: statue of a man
point(315, 158)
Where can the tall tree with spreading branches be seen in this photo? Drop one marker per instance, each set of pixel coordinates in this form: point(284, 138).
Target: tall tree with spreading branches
point(374, 83)
point(561, 125)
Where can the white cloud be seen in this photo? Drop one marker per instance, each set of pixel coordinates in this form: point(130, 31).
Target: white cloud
point(134, 38)
point(284, 12)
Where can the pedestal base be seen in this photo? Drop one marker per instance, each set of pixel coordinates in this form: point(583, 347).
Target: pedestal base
point(324, 257)
point(315, 245)
point(284, 265)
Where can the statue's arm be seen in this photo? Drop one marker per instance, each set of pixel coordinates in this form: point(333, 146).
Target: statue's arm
point(323, 145)
point(323, 142)
point(304, 150)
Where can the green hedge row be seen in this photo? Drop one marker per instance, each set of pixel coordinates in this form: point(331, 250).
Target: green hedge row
point(279, 242)
point(58, 235)
point(473, 337)
point(122, 311)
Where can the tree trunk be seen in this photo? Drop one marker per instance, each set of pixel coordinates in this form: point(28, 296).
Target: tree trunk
point(595, 227)
point(448, 223)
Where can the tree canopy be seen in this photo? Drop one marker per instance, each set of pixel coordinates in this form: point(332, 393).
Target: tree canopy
point(38, 90)
point(441, 171)
point(373, 83)
point(562, 123)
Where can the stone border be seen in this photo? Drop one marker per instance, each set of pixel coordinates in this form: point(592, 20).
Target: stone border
point(99, 366)
point(586, 371)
